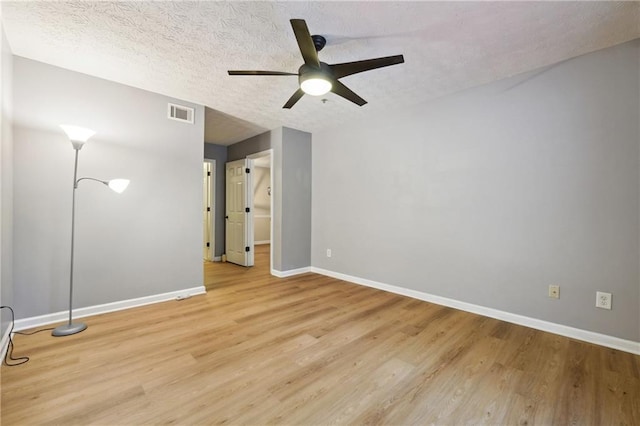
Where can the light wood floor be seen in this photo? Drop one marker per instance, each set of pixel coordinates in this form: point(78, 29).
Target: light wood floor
point(313, 350)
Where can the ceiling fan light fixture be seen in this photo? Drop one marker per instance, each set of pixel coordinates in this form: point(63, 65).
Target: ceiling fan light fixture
point(315, 85)
point(315, 77)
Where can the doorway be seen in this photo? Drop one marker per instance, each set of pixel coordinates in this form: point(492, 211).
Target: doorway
point(249, 184)
point(262, 185)
point(262, 200)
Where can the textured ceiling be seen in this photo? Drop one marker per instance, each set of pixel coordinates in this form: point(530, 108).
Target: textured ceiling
point(183, 49)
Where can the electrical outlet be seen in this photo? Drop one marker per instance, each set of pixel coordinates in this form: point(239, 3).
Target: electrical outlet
point(328, 252)
point(603, 300)
point(554, 291)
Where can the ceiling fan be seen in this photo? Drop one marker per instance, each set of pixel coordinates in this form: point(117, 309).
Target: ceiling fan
point(317, 78)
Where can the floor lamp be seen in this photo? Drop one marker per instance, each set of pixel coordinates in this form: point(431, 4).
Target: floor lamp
point(78, 136)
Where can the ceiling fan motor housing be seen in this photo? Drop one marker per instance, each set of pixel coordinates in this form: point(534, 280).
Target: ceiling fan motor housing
point(306, 72)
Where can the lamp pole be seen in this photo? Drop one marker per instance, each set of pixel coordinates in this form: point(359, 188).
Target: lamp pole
point(70, 327)
point(78, 136)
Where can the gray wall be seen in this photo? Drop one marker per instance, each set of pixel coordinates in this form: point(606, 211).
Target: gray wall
point(259, 143)
point(145, 241)
point(6, 181)
point(218, 153)
point(296, 199)
point(490, 195)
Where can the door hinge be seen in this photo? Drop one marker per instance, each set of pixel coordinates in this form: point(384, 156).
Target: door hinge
point(247, 170)
point(208, 209)
point(246, 249)
point(208, 173)
point(208, 244)
point(247, 209)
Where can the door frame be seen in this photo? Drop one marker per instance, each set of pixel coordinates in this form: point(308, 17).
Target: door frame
point(251, 158)
point(212, 212)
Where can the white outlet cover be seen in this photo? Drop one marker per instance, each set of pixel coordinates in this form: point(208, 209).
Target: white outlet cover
point(603, 300)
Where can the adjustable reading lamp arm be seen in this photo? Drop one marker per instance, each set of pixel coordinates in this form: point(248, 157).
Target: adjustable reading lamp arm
point(89, 178)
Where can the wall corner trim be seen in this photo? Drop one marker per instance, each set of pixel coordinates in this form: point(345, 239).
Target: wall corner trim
point(562, 330)
point(290, 272)
point(25, 323)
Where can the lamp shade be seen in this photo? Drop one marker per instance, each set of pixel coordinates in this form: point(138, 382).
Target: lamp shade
point(77, 135)
point(118, 185)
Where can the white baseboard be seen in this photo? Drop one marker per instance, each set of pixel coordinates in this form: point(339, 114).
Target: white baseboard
point(26, 323)
point(290, 272)
point(4, 343)
point(217, 259)
point(257, 243)
point(562, 330)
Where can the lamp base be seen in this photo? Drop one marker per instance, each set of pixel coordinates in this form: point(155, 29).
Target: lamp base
point(69, 329)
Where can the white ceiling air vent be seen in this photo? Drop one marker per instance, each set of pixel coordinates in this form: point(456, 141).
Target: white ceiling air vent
point(180, 113)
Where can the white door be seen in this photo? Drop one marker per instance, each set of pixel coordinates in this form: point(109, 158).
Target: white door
point(238, 241)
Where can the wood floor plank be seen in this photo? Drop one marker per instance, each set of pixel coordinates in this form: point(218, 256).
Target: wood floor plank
point(310, 349)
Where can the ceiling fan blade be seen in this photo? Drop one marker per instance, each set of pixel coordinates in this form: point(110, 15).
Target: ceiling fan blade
point(241, 72)
point(293, 99)
point(342, 90)
point(349, 68)
point(307, 48)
